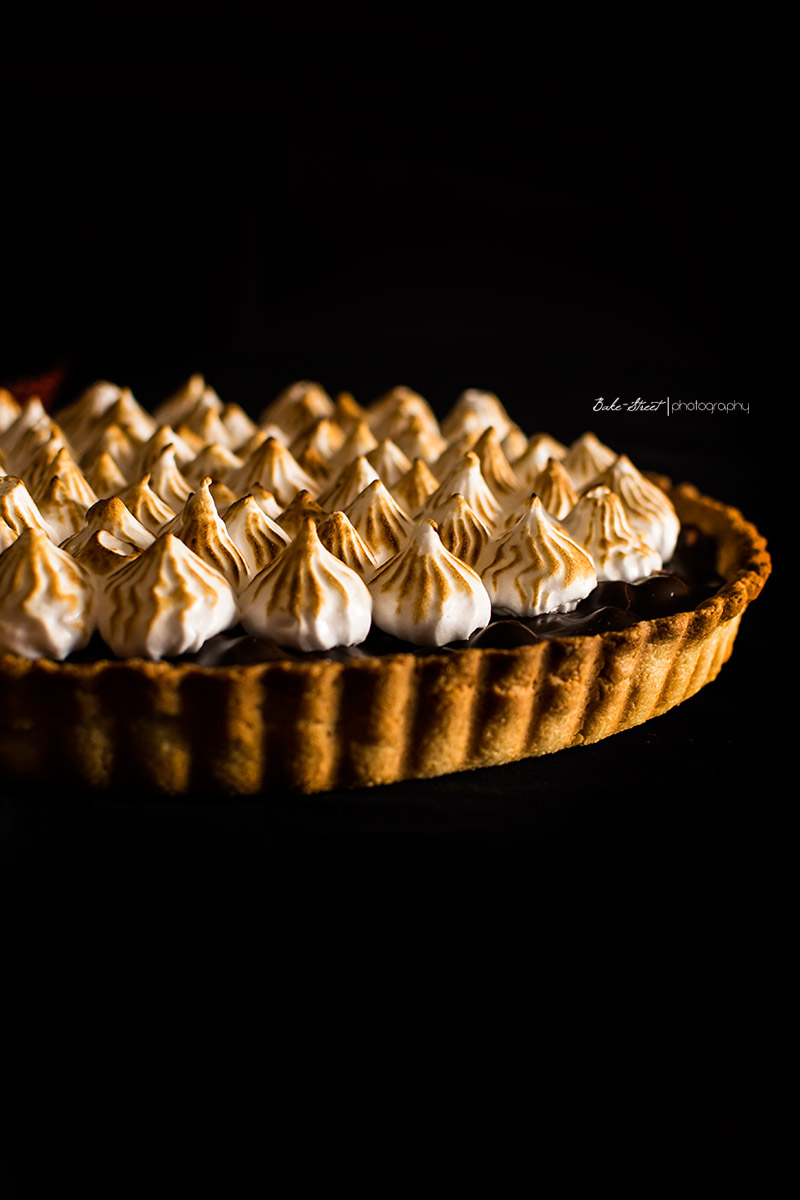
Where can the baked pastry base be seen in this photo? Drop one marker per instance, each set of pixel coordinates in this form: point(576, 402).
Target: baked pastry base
point(316, 725)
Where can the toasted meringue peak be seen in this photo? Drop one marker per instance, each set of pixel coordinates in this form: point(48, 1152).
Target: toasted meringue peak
point(222, 495)
point(649, 510)
point(71, 476)
point(148, 508)
point(586, 458)
point(34, 458)
point(105, 477)
point(293, 517)
point(380, 521)
point(265, 500)
point(395, 408)
point(260, 435)
point(128, 414)
point(46, 599)
point(495, 467)
point(116, 442)
point(308, 599)
point(348, 412)
point(535, 567)
point(427, 596)
point(474, 411)
point(389, 461)
point(117, 408)
point(325, 437)
point(454, 453)
point(202, 529)
point(168, 481)
point(80, 419)
point(314, 465)
point(417, 438)
point(256, 536)
point(598, 522)
point(554, 488)
point(412, 491)
point(205, 420)
point(177, 407)
point(113, 516)
point(354, 478)
point(9, 409)
point(102, 552)
point(63, 512)
point(215, 460)
point(32, 414)
point(239, 425)
point(195, 442)
point(338, 535)
point(533, 460)
point(514, 444)
point(165, 602)
point(297, 407)
point(18, 511)
point(462, 531)
point(274, 466)
point(358, 443)
point(466, 478)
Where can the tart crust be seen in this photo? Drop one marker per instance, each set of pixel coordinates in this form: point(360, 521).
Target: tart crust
point(316, 725)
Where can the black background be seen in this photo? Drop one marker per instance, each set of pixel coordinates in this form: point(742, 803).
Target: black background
point(444, 210)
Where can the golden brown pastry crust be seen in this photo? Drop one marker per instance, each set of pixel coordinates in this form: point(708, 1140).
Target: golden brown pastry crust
point(316, 725)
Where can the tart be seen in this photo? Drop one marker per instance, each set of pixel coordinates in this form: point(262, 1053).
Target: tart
point(339, 596)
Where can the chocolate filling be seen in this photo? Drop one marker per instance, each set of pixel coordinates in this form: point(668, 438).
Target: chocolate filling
point(689, 578)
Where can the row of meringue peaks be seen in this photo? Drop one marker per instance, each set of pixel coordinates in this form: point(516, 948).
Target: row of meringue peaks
point(373, 510)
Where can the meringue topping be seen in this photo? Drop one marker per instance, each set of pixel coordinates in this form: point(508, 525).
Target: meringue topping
point(256, 536)
point(554, 488)
point(9, 409)
point(164, 602)
point(427, 596)
point(586, 458)
point(105, 477)
point(467, 479)
point(356, 476)
point(380, 521)
point(412, 491)
point(46, 599)
point(495, 467)
point(113, 516)
point(598, 522)
point(648, 508)
point(296, 408)
point(307, 599)
point(338, 535)
point(148, 508)
point(167, 480)
point(474, 411)
point(202, 529)
point(395, 408)
point(526, 514)
point(535, 567)
point(389, 461)
point(274, 466)
point(461, 530)
point(293, 516)
point(63, 513)
point(541, 447)
point(18, 511)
